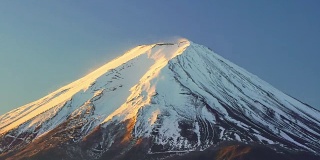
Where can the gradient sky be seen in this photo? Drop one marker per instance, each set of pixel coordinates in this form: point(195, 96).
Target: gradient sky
point(45, 45)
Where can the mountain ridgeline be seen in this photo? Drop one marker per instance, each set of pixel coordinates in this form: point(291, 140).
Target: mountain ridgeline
point(163, 101)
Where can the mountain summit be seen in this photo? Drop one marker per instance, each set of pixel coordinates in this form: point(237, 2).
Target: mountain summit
point(163, 101)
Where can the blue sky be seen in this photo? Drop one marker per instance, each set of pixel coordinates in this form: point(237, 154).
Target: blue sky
point(45, 45)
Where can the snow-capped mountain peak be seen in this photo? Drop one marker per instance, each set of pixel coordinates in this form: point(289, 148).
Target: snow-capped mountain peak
point(147, 57)
point(168, 97)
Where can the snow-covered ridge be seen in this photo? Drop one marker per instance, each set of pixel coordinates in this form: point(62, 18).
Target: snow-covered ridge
point(182, 96)
point(144, 56)
point(203, 91)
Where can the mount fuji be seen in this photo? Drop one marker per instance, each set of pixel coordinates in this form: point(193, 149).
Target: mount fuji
point(163, 101)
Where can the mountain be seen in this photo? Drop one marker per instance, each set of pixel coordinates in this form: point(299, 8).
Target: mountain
point(163, 101)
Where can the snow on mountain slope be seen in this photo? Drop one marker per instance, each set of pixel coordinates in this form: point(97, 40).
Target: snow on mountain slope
point(200, 90)
point(120, 74)
point(105, 89)
point(181, 96)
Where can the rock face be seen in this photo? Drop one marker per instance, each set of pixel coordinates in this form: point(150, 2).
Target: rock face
point(163, 101)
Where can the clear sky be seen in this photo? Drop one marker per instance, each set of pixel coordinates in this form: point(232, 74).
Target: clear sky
point(45, 45)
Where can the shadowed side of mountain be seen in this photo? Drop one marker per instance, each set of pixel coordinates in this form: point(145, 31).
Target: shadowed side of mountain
point(117, 143)
point(240, 151)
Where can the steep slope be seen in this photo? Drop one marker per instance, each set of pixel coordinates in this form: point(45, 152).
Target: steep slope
point(162, 99)
point(97, 95)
